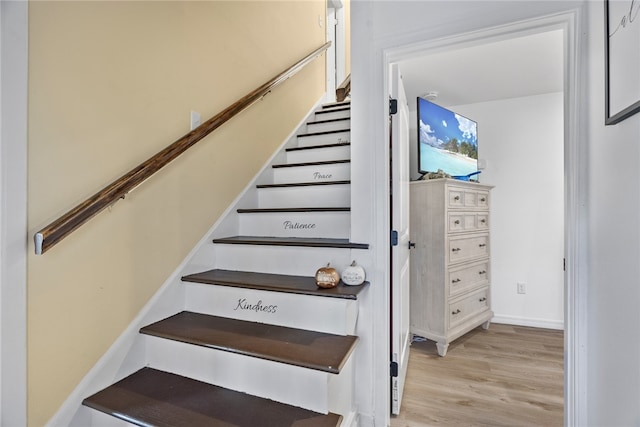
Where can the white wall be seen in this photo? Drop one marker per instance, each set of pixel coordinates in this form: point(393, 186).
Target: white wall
point(522, 141)
point(13, 208)
point(612, 209)
point(606, 346)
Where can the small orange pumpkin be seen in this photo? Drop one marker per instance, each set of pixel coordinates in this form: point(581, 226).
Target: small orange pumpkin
point(327, 277)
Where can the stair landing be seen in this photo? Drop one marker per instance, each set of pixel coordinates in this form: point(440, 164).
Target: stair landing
point(150, 397)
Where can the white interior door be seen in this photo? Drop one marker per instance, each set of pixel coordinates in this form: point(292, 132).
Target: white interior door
point(400, 336)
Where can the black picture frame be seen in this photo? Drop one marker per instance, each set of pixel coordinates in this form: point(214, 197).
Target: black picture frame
point(622, 71)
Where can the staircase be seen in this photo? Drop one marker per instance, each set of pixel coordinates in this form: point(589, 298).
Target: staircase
point(258, 343)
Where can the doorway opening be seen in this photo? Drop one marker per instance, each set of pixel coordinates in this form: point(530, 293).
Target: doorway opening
point(567, 25)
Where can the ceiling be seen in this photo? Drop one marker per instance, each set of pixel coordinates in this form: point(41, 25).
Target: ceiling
point(517, 67)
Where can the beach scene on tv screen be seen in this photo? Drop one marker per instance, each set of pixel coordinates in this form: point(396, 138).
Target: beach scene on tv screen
point(448, 141)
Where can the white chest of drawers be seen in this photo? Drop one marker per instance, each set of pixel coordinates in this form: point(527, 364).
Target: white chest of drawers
point(450, 263)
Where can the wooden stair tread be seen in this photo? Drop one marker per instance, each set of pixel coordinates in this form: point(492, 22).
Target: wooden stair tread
point(325, 132)
point(333, 109)
point(308, 349)
point(317, 122)
point(336, 104)
point(290, 210)
point(150, 397)
point(315, 242)
point(321, 163)
point(273, 282)
point(315, 147)
point(303, 184)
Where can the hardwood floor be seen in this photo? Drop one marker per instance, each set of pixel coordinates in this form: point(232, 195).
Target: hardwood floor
point(504, 376)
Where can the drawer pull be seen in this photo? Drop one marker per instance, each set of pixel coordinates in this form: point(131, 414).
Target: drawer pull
point(456, 222)
point(455, 249)
point(456, 198)
point(483, 199)
point(483, 299)
point(482, 272)
point(455, 280)
point(482, 245)
point(455, 312)
point(483, 220)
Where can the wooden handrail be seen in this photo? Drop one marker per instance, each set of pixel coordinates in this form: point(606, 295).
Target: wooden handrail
point(70, 221)
point(344, 89)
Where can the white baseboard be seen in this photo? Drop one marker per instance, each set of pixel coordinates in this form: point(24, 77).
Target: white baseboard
point(350, 420)
point(365, 420)
point(526, 321)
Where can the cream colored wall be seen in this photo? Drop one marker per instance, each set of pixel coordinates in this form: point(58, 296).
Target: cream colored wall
point(110, 84)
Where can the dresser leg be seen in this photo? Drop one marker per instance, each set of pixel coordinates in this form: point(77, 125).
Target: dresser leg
point(442, 348)
point(486, 324)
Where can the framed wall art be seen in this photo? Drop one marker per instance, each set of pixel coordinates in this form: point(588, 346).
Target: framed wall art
point(622, 59)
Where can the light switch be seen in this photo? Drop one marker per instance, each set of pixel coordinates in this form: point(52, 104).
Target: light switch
point(195, 119)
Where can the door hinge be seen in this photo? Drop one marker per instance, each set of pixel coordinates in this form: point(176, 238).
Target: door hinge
point(393, 106)
point(394, 369)
point(394, 238)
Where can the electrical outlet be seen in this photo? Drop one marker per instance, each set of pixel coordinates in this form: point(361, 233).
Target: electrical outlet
point(522, 288)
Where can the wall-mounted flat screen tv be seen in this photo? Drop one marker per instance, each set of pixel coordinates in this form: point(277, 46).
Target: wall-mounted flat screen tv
point(446, 141)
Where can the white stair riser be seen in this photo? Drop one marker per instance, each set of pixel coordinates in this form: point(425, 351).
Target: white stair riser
point(299, 261)
point(325, 125)
point(293, 385)
point(319, 154)
point(319, 196)
point(322, 314)
point(323, 139)
point(330, 115)
point(296, 224)
point(100, 419)
point(312, 173)
point(342, 398)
